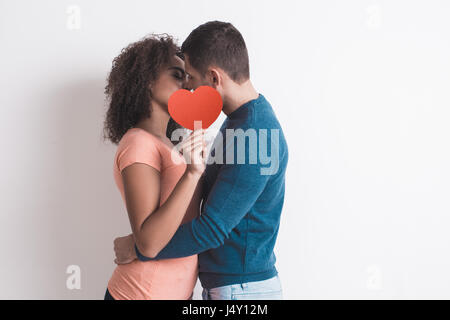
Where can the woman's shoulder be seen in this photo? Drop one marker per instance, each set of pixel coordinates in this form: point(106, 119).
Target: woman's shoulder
point(138, 145)
point(138, 136)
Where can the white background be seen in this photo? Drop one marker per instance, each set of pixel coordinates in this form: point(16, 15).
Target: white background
point(361, 89)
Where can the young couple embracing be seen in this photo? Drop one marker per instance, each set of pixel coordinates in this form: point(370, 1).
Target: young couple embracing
point(217, 221)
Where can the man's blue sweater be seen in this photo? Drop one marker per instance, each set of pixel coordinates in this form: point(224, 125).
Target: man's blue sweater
point(243, 198)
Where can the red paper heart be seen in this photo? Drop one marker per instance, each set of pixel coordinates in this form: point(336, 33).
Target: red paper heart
point(204, 104)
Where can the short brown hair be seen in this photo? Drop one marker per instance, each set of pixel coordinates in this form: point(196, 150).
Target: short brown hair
point(220, 44)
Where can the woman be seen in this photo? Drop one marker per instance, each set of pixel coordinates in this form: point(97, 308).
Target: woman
point(154, 181)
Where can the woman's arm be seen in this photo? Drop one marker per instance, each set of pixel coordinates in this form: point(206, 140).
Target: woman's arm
point(194, 208)
point(153, 226)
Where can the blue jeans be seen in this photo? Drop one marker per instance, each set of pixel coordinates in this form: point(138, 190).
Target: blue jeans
point(269, 289)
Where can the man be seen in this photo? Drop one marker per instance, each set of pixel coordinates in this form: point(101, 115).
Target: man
point(235, 235)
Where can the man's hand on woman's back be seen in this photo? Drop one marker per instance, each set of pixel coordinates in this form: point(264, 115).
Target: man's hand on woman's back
point(124, 249)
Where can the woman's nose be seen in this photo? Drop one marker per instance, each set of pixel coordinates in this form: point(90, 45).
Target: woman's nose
point(186, 86)
point(186, 83)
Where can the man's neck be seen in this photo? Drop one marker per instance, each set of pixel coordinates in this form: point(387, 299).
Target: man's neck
point(240, 94)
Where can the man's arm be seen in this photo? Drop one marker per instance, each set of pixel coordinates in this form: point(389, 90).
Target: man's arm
point(234, 192)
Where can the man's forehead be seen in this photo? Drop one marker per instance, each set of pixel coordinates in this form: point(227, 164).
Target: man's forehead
point(186, 63)
point(177, 62)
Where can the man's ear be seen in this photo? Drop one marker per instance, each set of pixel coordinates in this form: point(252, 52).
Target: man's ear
point(215, 78)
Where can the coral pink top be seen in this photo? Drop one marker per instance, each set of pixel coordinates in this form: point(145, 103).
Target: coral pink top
point(172, 279)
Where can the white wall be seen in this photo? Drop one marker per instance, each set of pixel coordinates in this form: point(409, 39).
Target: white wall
point(360, 87)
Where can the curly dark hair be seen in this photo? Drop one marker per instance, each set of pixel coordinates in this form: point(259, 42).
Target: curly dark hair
point(127, 89)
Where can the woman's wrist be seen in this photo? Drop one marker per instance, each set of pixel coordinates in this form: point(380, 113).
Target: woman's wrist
point(193, 175)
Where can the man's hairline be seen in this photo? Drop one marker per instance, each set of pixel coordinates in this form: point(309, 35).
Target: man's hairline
point(203, 75)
